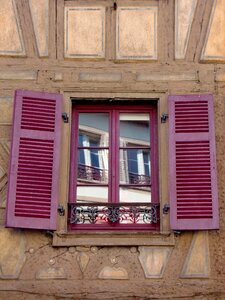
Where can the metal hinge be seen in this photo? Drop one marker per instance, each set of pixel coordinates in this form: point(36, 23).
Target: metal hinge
point(164, 117)
point(65, 117)
point(61, 210)
point(166, 208)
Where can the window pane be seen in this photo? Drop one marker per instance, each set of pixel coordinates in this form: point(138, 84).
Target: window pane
point(92, 194)
point(92, 166)
point(135, 166)
point(93, 129)
point(139, 195)
point(135, 128)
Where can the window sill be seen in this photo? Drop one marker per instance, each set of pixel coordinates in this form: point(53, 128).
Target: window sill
point(113, 239)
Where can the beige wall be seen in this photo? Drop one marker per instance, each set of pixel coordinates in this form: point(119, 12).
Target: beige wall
point(89, 48)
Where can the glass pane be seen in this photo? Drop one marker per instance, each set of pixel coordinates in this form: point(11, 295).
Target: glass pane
point(135, 128)
point(135, 167)
point(138, 195)
point(92, 166)
point(92, 194)
point(93, 129)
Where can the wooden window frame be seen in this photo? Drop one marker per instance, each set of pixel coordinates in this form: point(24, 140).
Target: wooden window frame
point(114, 147)
point(63, 237)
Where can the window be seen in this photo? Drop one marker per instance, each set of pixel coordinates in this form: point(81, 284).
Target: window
point(113, 178)
point(114, 167)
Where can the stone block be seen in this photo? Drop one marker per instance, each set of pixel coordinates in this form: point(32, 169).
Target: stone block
point(83, 260)
point(100, 77)
point(84, 32)
point(40, 17)
point(58, 76)
point(51, 273)
point(136, 33)
point(156, 76)
point(6, 109)
point(12, 253)
point(11, 40)
point(196, 264)
point(184, 14)
point(214, 48)
point(18, 75)
point(113, 273)
point(154, 260)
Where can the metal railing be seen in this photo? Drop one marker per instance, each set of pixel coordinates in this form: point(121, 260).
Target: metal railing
point(123, 213)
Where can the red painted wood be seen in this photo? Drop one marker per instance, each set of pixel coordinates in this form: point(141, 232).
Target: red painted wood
point(34, 164)
point(192, 156)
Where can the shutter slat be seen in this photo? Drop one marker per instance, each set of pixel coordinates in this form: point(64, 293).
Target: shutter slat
point(34, 166)
point(193, 185)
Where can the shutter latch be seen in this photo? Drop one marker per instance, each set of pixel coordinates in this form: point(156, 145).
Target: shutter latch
point(61, 210)
point(164, 117)
point(65, 117)
point(166, 208)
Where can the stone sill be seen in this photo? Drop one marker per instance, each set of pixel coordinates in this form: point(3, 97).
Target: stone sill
point(113, 239)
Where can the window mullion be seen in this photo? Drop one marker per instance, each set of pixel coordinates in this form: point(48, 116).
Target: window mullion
point(114, 157)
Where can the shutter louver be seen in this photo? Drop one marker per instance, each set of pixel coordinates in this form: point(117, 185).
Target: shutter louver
point(193, 184)
point(34, 166)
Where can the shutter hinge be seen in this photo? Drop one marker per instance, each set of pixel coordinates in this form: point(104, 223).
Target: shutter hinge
point(61, 210)
point(166, 208)
point(164, 117)
point(65, 117)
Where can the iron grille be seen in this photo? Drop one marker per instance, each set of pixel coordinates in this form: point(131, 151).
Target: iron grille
point(124, 213)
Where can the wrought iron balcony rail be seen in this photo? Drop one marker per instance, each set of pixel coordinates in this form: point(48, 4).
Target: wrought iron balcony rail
point(139, 179)
point(91, 173)
point(122, 213)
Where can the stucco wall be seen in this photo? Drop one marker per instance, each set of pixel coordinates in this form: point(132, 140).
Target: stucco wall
point(41, 49)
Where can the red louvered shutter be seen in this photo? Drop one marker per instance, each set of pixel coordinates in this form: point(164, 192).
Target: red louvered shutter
point(192, 155)
point(34, 164)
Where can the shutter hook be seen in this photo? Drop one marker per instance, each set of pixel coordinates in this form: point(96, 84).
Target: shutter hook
point(164, 117)
point(65, 117)
point(166, 208)
point(61, 210)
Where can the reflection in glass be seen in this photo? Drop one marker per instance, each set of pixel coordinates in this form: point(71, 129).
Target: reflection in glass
point(92, 194)
point(138, 195)
point(93, 129)
point(92, 166)
point(135, 126)
point(135, 166)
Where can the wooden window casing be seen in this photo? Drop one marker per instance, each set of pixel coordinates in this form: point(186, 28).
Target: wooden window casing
point(163, 236)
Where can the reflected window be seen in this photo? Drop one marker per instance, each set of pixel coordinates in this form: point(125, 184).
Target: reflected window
point(138, 166)
point(92, 148)
point(114, 174)
point(90, 165)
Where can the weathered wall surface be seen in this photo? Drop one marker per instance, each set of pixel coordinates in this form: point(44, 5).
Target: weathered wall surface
point(107, 51)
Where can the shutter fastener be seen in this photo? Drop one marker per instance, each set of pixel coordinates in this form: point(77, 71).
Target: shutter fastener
point(166, 208)
point(65, 117)
point(164, 117)
point(61, 210)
